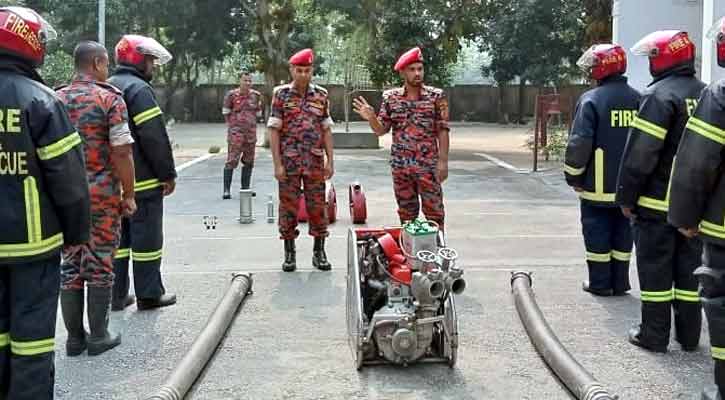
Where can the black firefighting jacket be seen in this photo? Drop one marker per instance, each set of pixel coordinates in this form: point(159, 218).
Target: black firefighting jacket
point(597, 138)
point(698, 190)
point(44, 199)
point(644, 176)
point(152, 155)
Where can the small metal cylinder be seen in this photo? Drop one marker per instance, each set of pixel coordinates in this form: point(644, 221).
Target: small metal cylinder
point(246, 213)
point(270, 208)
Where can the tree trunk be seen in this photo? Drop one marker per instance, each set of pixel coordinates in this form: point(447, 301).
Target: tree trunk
point(522, 101)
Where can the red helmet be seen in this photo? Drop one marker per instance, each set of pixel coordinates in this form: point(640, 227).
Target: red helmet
point(23, 33)
point(717, 33)
point(133, 49)
point(666, 50)
point(603, 60)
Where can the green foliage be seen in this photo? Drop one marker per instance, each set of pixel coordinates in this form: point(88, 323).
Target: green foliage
point(57, 68)
point(437, 26)
point(556, 140)
point(537, 41)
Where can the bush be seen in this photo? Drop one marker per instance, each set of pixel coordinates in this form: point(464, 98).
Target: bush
point(556, 140)
point(57, 69)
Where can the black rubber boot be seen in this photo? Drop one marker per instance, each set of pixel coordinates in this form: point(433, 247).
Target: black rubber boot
point(99, 305)
point(290, 262)
point(164, 300)
point(597, 292)
point(121, 304)
point(688, 324)
point(635, 337)
point(246, 176)
point(319, 258)
point(71, 304)
point(710, 392)
point(228, 173)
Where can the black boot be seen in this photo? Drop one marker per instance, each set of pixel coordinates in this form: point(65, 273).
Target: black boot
point(319, 258)
point(100, 339)
point(597, 292)
point(228, 173)
point(246, 176)
point(120, 304)
point(710, 392)
point(636, 338)
point(290, 262)
point(71, 304)
point(164, 300)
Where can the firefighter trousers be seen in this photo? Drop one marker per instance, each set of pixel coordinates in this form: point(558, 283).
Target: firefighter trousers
point(666, 261)
point(142, 240)
point(712, 295)
point(608, 241)
point(28, 308)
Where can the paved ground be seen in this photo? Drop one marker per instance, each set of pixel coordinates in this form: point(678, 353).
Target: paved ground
point(289, 342)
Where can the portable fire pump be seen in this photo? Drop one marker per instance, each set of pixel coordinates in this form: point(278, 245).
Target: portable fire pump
point(401, 284)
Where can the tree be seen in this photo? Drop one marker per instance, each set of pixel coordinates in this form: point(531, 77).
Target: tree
point(598, 21)
point(535, 41)
point(437, 26)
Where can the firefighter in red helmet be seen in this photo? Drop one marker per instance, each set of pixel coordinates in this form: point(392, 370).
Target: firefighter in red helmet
point(596, 143)
point(697, 206)
point(44, 204)
point(666, 258)
point(142, 234)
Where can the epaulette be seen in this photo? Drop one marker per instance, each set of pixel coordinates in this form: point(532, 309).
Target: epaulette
point(393, 92)
point(280, 87)
point(110, 87)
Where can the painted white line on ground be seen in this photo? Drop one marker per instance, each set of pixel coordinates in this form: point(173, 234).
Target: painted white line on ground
point(457, 238)
point(194, 162)
point(502, 164)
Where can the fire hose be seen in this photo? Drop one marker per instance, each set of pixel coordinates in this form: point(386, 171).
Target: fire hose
point(186, 373)
point(577, 379)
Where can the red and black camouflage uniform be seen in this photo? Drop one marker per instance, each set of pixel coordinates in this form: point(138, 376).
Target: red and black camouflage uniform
point(414, 152)
point(240, 113)
point(300, 119)
point(98, 112)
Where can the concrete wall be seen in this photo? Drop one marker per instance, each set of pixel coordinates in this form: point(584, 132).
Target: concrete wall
point(713, 10)
point(483, 103)
point(633, 19)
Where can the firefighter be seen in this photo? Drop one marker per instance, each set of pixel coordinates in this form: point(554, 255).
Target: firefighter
point(665, 257)
point(418, 116)
point(241, 106)
point(142, 235)
point(697, 205)
point(44, 205)
point(300, 129)
point(593, 154)
point(99, 114)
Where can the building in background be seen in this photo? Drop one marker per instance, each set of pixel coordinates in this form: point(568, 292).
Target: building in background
point(632, 19)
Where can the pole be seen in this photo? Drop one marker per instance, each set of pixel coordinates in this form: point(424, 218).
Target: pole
point(102, 22)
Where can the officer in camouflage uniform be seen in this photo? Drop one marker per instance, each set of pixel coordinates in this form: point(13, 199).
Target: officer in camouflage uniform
point(98, 112)
point(418, 116)
point(300, 135)
point(241, 106)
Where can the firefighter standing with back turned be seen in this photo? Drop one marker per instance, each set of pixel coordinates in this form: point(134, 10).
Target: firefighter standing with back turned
point(593, 155)
point(418, 116)
point(99, 114)
point(241, 106)
point(697, 206)
point(142, 236)
point(44, 204)
point(666, 259)
point(300, 138)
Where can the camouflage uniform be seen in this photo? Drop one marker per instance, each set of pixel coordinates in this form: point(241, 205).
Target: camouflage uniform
point(414, 152)
point(240, 112)
point(300, 120)
point(99, 113)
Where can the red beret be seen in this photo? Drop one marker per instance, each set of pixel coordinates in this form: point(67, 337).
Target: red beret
point(411, 56)
point(302, 57)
